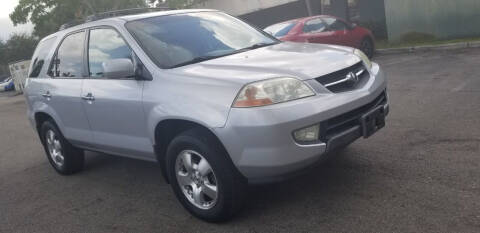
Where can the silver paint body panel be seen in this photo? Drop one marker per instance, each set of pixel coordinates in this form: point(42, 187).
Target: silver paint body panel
point(122, 118)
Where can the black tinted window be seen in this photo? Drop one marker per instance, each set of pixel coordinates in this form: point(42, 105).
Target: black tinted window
point(335, 24)
point(282, 29)
point(105, 44)
point(69, 59)
point(314, 25)
point(39, 56)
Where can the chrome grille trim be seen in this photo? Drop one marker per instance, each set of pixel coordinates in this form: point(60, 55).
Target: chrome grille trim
point(346, 79)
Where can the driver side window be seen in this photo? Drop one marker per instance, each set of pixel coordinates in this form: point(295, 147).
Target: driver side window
point(105, 44)
point(314, 26)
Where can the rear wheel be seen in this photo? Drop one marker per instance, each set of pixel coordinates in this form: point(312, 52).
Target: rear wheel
point(203, 179)
point(367, 47)
point(64, 157)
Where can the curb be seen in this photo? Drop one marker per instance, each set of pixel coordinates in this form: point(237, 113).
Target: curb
point(461, 45)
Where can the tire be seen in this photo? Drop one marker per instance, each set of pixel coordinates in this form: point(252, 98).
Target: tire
point(231, 186)
point(367, 47)
point(57, 147)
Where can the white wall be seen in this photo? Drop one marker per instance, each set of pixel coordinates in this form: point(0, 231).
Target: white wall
point(19, 72)
point(240, 7)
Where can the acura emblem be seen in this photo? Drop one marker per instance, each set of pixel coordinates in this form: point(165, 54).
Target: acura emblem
point(352, 77)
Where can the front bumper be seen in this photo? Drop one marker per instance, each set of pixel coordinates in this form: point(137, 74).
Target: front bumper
point(260, 143)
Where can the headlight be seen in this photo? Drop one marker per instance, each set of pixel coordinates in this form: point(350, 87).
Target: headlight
point(271, 91)
point(364, 58)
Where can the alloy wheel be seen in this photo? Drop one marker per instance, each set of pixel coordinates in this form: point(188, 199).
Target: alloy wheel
point(196, 179)
point(54, 148)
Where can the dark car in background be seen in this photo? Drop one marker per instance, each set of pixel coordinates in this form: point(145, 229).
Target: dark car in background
point(325, 29)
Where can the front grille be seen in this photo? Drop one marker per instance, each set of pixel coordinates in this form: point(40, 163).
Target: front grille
point(338, 124)
point(339, 81)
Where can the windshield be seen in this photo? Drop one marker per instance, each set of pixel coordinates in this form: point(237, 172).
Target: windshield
point(279, 30)
point(175, 40)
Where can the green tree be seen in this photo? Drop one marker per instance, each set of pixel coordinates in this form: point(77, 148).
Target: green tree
point(17, 47)
point(3, 66)
point(20, 47)
point(176, 4)
point(48, 15)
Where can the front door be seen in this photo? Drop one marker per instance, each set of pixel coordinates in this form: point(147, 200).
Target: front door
point(114, 105)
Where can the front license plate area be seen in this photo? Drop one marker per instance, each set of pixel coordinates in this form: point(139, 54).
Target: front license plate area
point(372, 121)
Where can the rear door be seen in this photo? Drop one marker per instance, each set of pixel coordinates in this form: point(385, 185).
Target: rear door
point(316, 31)
point(60, 87)
point(114, 105)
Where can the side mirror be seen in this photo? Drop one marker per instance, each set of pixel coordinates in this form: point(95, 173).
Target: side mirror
point(118, 68)
point(353, 25)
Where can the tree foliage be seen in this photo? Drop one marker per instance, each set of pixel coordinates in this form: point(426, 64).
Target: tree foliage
point(48, 15)
point(176, 4)
point(18, 47)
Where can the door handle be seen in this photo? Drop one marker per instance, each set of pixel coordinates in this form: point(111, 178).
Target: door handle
point(47, 94)
point(88, 97)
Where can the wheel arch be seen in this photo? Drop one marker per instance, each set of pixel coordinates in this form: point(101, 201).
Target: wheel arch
point(166, 130)
point(42, 116)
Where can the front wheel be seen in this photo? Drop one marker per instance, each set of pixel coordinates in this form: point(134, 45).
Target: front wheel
point(203, 178)
point(367, 47)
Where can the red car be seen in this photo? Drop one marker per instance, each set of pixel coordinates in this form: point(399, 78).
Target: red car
point(325, 29)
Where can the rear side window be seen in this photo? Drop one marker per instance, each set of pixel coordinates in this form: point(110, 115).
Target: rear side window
point(282, 29)
point(68, 62)
point(105, 44)
point(314, 26)
point(39, 56)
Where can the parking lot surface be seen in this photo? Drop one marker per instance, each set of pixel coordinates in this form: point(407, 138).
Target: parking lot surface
point(419, 174)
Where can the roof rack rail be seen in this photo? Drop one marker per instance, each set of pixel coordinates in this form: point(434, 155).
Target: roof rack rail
point(110, 14)
point(131, 11)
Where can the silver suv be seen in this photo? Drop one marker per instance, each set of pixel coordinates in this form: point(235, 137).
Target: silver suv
point(217, 103)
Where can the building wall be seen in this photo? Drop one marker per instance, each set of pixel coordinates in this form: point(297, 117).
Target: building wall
point(240, 7)
point(266, 17)
point(339, 8)
point(441, 18)
point(263, 13)
point(372, 16)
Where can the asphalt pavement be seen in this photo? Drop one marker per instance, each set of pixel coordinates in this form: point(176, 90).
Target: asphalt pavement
point(419, 174)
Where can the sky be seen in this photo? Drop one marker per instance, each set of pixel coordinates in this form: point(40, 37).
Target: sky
point(6, 26)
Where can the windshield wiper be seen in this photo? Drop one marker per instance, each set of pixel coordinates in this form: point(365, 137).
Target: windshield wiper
point(205, 58)
point(195, 60)
point(257, 45)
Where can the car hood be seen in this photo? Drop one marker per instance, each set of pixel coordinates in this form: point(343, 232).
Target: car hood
point(300, 60)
